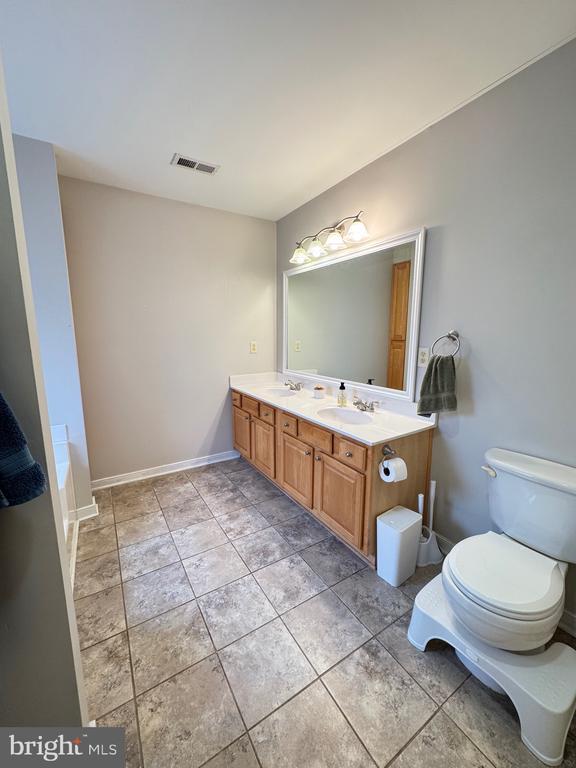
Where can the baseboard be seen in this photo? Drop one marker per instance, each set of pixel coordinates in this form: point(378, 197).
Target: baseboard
point(165, 469)
point(73, 550)
point(568, 622)
point(91, 510)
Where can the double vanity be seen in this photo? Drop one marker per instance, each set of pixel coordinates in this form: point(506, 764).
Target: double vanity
point(326, 457)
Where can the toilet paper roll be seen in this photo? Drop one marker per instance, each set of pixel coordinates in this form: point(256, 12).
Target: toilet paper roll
point(393, 470)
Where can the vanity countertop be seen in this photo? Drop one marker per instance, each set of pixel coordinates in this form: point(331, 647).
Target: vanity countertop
point(365, 427)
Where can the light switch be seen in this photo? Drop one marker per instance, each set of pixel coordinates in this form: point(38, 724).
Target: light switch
point(298, 346)
point(253, 347)
point(423, 357)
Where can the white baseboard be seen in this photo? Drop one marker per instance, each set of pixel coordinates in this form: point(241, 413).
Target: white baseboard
point(165, 469)
point(91, 510)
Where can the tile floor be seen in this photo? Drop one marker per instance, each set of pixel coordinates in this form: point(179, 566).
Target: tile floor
point(223, 626)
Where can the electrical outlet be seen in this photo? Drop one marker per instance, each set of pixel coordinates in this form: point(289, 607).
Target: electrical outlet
point(423, 357)
point(298, 346)
point(253, 347)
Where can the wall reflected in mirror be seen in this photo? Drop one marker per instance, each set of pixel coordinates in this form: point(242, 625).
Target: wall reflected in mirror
point(350, 319)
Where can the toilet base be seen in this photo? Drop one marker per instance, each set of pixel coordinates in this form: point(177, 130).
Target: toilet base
point(542, 686)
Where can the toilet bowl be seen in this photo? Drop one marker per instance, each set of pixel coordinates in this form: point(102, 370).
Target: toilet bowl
point(504, 593)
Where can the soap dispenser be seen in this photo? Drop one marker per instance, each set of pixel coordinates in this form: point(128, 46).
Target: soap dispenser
point(342, 395)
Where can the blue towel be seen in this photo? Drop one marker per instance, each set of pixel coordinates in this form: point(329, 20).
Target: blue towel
point(21, 478)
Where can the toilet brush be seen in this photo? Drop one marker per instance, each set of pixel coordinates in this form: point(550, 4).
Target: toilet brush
point(428, 550)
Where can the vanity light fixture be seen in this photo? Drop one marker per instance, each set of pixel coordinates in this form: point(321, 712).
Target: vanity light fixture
point(336, 239)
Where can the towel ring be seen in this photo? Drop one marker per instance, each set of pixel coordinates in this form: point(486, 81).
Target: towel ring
point(451, 336)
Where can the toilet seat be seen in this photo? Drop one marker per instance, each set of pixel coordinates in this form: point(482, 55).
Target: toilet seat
point(508, 595)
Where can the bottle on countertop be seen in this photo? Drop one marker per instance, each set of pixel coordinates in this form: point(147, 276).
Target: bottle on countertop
point(342, 395)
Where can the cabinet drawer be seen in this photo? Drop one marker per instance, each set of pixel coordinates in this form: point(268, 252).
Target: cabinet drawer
point(288, 424)
point(236, 399)
point(316, 436)
point(350, 453)
point(267, 413)
point(250, 405)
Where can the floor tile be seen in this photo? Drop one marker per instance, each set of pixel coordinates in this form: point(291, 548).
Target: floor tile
point(278, 509)
point(208, 470)
point(170, 495)
point(325, 630)
point(97, 542)
point(104, 518)
point(210, 484)
point(129, 490)
point(440, 744)
point(96, 574)
point(237, 755)
point(146, 556)
point(186, 513)
point(136, 505)
point(125, 717)
point(100, 616)
point(378, 697)
point(163, 646)
point(303, 531)
point(421, 577)
point(235, 465)
point(309, 732)
point(198, 538)
point(245, 476)
point(234, 610)
point(226, 501)
point(372, 600)
point(265, 669)
point(289, 582)
point(262, 548)
point(141, 528)
point(189, 718)
point(156, 592)
point(104, 500)
point(257, 488)
point(437, 669)
point(214, 568)
point(241, 522)
point(491, 722)
point(332, 560)
point(107, 675)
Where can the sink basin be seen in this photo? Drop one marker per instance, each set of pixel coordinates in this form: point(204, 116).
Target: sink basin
point(345, 416)
point(280, 392)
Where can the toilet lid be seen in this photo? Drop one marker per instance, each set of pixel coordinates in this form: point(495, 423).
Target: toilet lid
point(506, 577)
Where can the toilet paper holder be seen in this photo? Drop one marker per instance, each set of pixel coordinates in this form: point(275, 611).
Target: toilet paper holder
point(388, 451)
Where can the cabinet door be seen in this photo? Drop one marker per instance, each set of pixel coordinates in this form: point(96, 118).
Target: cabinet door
point(241, 422)
point(339, 497)
point(297, 469)
point(400, 300)
point(263, 447)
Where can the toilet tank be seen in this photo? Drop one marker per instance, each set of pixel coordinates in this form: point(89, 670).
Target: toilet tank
point(534, 502)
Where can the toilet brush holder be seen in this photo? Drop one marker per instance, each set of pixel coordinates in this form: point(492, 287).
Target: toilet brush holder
point(428, 550)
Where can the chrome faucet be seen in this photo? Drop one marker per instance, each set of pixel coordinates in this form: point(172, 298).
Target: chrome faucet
point(364, 405)
point(294, 386)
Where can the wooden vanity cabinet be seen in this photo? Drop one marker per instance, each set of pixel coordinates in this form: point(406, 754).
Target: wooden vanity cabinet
point(262, 439)
point(297, 469)
point(339, 497)
point(241, 427)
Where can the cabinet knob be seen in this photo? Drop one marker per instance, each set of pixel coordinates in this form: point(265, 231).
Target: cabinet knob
point(247, 418)
point(307, 453)
point(286, 424)
point(348, 454)
point(318, 458)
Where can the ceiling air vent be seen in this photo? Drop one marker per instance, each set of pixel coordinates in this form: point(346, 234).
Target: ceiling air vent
point(193, 165)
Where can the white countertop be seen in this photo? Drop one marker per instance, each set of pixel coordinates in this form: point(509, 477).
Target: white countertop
point(381, 426)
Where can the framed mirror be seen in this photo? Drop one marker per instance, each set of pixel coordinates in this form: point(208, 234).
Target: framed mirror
point(355, 316)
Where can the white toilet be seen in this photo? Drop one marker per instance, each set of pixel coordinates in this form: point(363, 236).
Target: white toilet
point(501, 595)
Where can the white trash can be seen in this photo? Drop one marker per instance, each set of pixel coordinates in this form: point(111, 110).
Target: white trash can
point(397, 538)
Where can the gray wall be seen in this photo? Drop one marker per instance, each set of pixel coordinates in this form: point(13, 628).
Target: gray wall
point(167, 297)
point(37, 653)
point(38, 182)
point(495, 185)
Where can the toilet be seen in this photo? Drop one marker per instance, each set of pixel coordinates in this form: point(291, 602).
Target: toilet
point(500, 596)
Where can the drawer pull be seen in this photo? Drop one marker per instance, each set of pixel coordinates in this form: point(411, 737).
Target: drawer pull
point(286, 424)
point(318, 458)
point(246, 418)
point(348, 454)
point(307, 453)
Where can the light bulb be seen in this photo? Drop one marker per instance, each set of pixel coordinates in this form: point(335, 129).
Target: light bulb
point(334, 241)
point(357, 231)
point(316, 249)
point(299, 256)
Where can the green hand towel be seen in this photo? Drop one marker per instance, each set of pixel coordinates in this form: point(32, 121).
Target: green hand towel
point(438, 390)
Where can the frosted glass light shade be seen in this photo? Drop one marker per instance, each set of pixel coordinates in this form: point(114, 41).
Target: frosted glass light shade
point(335, 241)
point(299, 256)
point(357, 231)
point(316, 249)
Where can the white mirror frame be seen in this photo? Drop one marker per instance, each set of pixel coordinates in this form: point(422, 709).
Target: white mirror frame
point(417, 237)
